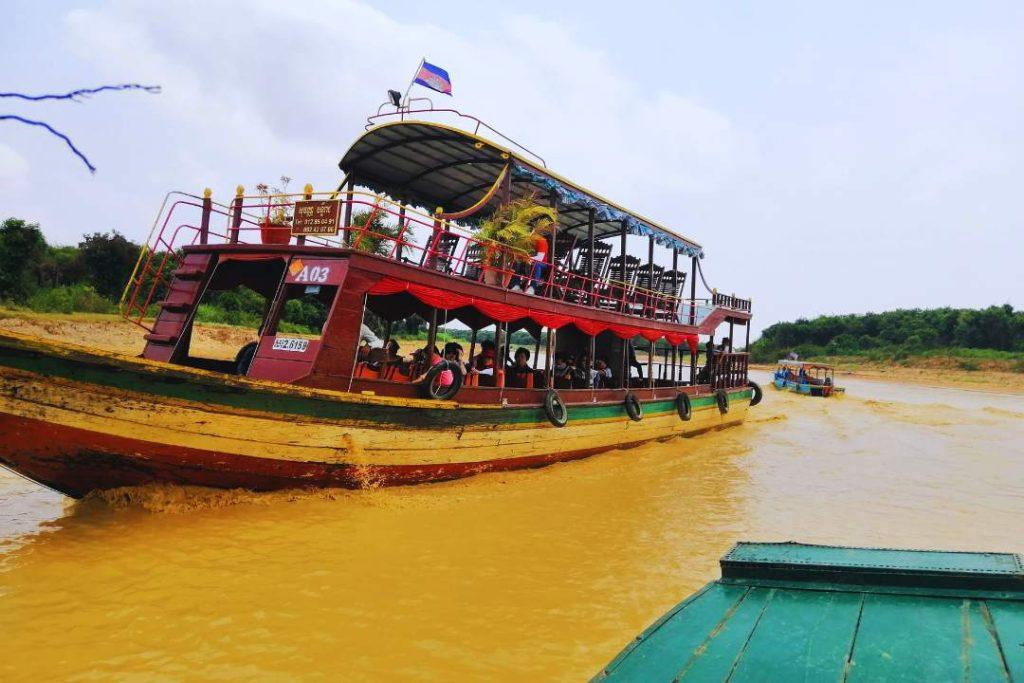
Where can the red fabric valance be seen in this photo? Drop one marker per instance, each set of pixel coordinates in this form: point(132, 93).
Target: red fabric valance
point(446, 301)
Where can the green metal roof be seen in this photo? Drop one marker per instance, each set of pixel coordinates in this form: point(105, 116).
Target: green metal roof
point(794, 612)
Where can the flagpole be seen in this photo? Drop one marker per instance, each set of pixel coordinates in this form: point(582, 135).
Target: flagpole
point(405, 100)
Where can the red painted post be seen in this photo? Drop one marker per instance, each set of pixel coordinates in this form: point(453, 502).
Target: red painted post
point(236, 219)
point(307, 194)
point(204, 225)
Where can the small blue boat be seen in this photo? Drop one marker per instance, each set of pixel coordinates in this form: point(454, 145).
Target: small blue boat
point(809, 379)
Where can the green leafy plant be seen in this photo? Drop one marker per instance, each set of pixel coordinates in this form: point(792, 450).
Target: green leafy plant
point(514, 225)
point(378, 236)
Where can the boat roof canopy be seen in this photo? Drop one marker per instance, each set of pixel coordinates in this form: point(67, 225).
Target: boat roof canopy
point(434, 165)
point(805, 365)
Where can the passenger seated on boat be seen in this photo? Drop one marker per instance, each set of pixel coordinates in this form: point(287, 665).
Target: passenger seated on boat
point(483, 362)
point(453, 353)
point(601, 374)
point(564, 370)
point(581, 372)
point(446, 377)
point(520, 374)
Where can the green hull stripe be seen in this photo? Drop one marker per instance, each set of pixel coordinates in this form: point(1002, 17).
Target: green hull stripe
point(179, 385)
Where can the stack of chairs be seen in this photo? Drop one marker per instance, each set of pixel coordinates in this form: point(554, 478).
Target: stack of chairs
point(473, 262)
point(577, 281)
point(440, 257)
point(671, 290)
point(563, 263)
point(616, 290)
point(648, 286)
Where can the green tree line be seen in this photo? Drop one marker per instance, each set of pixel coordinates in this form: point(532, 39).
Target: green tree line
point(895, 333)
point(87, 277)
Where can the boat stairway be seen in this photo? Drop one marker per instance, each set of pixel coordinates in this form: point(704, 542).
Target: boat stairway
point(176, 309)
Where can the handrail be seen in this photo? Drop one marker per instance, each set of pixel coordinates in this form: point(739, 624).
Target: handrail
point(403, 111)
point(492, 263)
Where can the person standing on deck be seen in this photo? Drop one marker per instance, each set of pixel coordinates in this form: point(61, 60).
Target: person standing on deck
point(537, 267)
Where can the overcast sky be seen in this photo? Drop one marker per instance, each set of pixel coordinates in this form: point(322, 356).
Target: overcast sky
point(830, 159)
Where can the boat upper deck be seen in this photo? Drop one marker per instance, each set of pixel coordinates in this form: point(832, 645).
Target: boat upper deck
point(397, 169)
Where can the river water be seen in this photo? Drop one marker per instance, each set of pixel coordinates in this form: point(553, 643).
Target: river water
point(537, 575)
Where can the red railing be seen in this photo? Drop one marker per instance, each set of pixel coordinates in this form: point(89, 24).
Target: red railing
point(394, 232)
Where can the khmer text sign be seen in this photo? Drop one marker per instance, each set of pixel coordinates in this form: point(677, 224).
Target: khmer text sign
point(316, 217)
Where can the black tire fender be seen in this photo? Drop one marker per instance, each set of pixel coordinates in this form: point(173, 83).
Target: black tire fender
point(555, 409)
point(633, 407)
point(441, 393)
point(684, 407)
point(758, 394)
point(722, 398)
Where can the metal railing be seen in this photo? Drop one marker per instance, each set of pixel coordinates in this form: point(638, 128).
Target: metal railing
point(377, 225)
point(403, 113)
point(730, 301)
point(728, 370)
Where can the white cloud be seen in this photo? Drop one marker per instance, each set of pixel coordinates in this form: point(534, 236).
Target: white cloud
point(288, 86)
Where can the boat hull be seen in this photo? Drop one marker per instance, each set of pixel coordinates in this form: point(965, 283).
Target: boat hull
point(78, 420)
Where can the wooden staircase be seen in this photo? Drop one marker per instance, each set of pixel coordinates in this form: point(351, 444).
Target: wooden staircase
point(187, 284)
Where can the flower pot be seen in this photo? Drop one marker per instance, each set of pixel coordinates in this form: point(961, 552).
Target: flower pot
point(273, 233)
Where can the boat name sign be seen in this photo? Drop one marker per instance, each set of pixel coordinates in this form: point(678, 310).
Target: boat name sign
point(316, 217)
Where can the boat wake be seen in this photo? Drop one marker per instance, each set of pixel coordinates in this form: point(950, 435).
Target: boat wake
point(169, 498)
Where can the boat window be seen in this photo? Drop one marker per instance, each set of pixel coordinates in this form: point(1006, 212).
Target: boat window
point(231, 313)
point(304, 310)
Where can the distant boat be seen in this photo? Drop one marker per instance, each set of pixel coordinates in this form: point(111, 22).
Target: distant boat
point(309, 404)
point(809, 379)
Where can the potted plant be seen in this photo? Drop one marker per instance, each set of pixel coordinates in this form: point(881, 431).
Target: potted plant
point(275, 228)
point(509, 233)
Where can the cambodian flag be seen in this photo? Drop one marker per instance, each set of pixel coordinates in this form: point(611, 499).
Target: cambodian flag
point(434, 77)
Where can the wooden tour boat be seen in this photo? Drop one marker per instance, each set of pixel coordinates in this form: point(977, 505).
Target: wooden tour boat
point(809, 379)
point(309, 403)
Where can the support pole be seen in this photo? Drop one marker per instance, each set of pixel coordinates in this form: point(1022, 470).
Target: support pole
point(622, 269)
point(625, 364)
point(348, 208)
point(553, 252)
point(236, 219)
point(204, 225)
point(648, 297)
point(590, 267)
point(590, 365)
point(472, 345)
point(307, 195)
point(401, 232)
point(431, 338)
point(548, 356)
point(672, 313)
point(693, 293)
point(650, 365)
point(536, 348)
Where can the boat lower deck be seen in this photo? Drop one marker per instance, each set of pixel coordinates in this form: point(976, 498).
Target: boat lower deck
point(77, 420)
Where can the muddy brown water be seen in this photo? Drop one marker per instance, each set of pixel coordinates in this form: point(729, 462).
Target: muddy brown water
point(537, 575)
